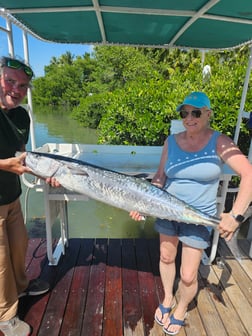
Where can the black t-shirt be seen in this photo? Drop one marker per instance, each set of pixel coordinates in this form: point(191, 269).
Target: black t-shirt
point(14, 134)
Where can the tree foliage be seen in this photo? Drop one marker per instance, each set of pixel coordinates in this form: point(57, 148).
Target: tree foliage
point(130, 94)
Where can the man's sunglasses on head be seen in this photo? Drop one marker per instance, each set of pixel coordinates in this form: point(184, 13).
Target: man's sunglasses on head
point(15, 64)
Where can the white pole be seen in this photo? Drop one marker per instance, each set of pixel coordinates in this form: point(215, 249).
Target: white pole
point(29, 93)
point(243, 99)
point(10, 38)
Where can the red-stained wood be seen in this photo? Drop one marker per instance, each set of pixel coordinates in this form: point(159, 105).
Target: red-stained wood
point(132, 309)
point(107, 287)
point(32, 309)
point(53, 317)
point(148, 294)
point(93, 317)
point(113, 324)
point(77, 297)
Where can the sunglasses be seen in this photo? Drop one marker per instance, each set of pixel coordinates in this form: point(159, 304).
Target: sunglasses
point(15, 64)
point(194, 113)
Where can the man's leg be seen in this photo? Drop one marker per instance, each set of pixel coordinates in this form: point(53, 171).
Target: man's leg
point(8, 289)
point(18, 241)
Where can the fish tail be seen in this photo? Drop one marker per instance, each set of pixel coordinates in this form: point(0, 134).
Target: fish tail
point(233, 243)
point(234, 247)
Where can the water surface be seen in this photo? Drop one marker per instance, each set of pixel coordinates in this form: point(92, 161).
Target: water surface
point(87, 219)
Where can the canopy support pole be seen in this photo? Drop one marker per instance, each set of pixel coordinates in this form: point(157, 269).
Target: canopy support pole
point(242, 113)
point(9, 33)
point(9, 37)
point(29, 93)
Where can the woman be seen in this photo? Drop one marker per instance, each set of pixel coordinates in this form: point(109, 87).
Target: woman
point(190, 168)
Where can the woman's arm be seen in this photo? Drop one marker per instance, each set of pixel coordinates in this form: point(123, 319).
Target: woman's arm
point(159, 178)
point(237, 161)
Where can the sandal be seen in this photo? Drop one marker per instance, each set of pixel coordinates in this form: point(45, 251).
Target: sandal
point(174, 321)
point(164, 310)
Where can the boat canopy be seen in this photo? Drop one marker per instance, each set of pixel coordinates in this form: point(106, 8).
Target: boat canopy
point(197, 24)
point(201, 24)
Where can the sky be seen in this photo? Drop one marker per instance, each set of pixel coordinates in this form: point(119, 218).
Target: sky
point(40, 52)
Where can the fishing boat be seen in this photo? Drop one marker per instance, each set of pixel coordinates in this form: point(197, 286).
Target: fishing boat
point(112, 287)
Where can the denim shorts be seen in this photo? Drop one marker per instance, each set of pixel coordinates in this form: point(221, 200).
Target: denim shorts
point(197, 236)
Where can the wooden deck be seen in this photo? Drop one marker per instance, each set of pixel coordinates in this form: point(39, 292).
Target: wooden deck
point(112, 287)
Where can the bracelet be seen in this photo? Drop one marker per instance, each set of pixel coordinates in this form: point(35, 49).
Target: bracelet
point(232, 214)
point(238, 218)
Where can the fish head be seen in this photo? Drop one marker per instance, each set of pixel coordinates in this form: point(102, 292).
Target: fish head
point(40, 165)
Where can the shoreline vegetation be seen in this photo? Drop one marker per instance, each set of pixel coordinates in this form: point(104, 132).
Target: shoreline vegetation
point(129, 95)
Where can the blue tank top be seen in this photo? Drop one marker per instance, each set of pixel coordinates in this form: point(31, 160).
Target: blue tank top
point(194, 176)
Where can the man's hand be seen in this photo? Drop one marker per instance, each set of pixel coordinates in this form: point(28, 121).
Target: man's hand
point(15, 165)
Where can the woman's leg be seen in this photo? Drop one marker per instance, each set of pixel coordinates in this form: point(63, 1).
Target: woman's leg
point(188, 285)
point(167, 267)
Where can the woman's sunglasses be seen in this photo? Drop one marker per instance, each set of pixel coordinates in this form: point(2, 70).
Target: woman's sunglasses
point(15, 64)
point(194, 113)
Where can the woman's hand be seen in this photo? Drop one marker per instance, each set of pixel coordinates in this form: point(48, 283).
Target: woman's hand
point(227, 226)
point(157, 183)
point(53, 182)
point(136, 216)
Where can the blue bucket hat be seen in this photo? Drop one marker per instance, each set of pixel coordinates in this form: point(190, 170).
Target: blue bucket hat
point(196, 99)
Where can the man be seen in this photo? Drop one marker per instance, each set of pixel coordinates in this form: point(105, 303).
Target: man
point(15, 78)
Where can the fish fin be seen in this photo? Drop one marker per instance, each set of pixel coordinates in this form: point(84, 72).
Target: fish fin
point(248, 213)
point(141, 175)
point(76, 171)
point(234, 247)
point(233, 242)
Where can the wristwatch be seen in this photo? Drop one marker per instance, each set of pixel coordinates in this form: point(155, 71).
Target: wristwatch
point(238, 218)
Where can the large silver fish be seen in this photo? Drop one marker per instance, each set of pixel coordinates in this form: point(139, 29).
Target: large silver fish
point(117, 189)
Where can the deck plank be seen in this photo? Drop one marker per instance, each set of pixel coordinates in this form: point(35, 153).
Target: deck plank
point(214, 286)
point(148, 296)
point(76, 303)
point(93, 317)
point(238, 300)
point(113, 324)
point(194, 325)
point(237, 269)
point(53, 317)
point(237, 286)
point(132, 312)
point(32, 308)
point(107, 287)
point(246, 262)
